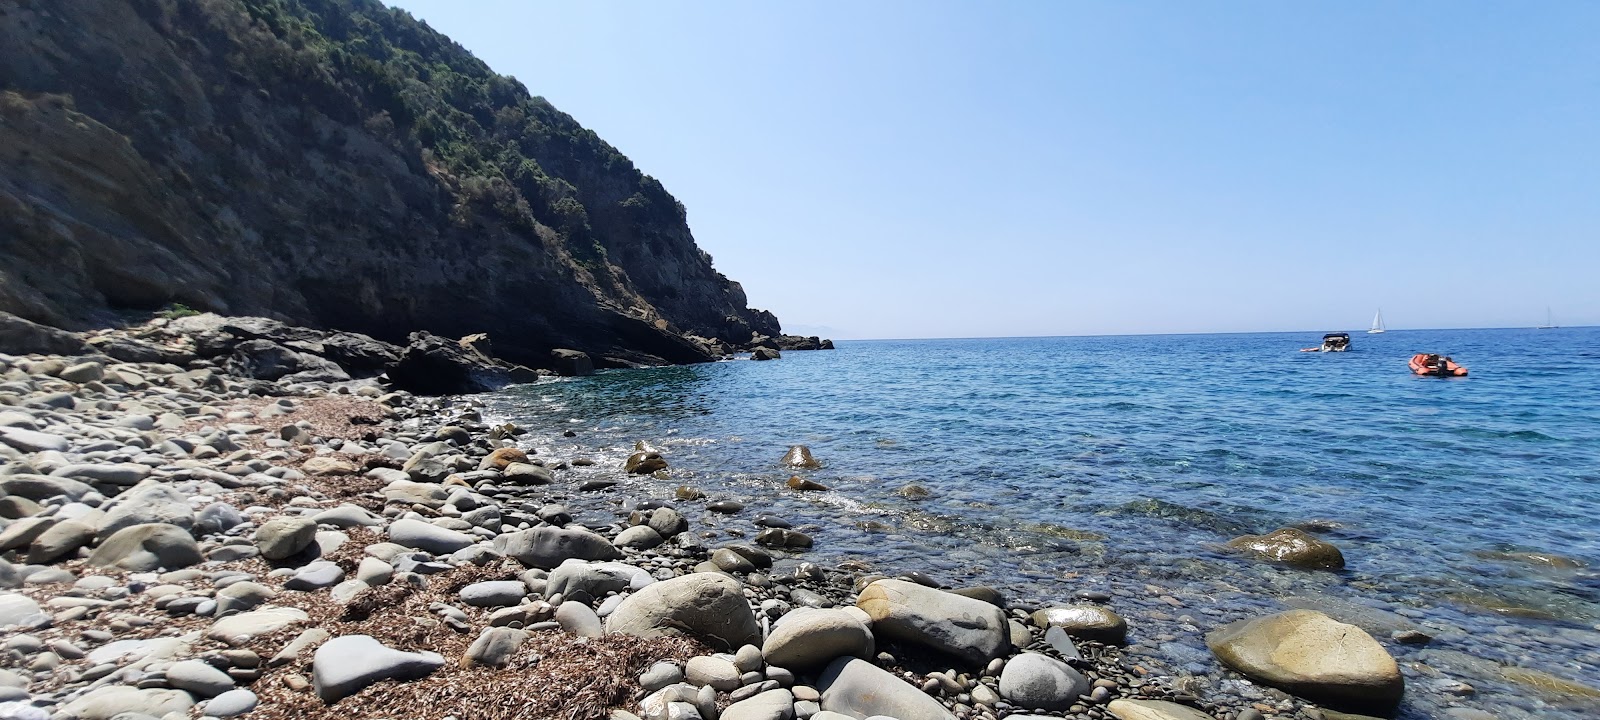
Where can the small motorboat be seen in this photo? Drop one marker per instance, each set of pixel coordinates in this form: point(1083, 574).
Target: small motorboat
point(1332, 342)
point(1435, 365)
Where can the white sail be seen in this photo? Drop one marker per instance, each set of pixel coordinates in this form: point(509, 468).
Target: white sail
point(1377, 323)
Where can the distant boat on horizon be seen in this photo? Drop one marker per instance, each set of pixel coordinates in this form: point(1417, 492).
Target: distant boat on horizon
point(1377, 323)
point(1549, 320)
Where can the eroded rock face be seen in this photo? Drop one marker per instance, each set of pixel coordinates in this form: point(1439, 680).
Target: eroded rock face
point(963, 627)
point(1309, 654)
point(373, 242)
point(707, 606)
point(1291, 546)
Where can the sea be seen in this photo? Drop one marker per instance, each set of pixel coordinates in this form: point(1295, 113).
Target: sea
point(1467, 509)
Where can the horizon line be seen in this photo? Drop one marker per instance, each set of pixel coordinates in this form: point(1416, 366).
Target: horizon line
point(1212, 332)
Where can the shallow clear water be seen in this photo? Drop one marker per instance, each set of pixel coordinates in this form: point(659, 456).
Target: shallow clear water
point(1121, 463)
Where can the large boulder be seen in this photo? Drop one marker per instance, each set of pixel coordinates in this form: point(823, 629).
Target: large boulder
point(1314, 656)
point(709, 607)
point(267, 360)
point(548, 547)
point(1032, 680)
point(24, 337)
point(433, 365)
point(345, 665)
point(142, 548)
point(806, 638)
point(857, 688)
point(963, 627)
point(571, 362)
point(799, 456)
point(1291, 546)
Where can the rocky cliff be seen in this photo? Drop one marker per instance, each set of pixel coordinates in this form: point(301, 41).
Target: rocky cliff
point(332, 163)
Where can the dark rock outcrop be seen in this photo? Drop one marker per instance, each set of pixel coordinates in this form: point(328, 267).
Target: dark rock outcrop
point(21, 337)
point(331, 163)
point(434, 365)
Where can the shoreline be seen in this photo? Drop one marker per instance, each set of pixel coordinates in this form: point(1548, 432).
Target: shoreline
point(424, 493)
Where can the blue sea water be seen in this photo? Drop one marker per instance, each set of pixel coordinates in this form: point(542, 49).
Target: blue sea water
point(1466, 507)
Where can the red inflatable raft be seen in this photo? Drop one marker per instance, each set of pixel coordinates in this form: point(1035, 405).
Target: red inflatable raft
point(1433, 365)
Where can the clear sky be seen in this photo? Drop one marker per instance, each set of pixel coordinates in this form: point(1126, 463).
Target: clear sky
point(935, 169)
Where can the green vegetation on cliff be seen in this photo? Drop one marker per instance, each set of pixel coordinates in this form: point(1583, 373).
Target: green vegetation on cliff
point(328, 162)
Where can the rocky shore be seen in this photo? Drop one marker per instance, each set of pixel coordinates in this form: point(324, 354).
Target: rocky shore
point(185, 537)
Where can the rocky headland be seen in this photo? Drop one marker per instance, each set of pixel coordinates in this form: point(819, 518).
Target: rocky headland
point(332, 164)
point(192, 539)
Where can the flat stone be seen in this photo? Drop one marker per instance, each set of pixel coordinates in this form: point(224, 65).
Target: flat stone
point(107, 702)
point(231, 703)
point(770, 705)
point(1291, 546)
point(494, 593)
point(1154, 710)
point(127, 474)
point(345, 665)
point(548, 547)
point(241, 628)
point(32, 441)
point(16, 608)
point(428, 537)
point(717, 673)
point(315, 576)
point(347, 516)
point(242, 596)
point(660, 675)
point(806, 638)
point(859, 689)
point(198, 678)
point(962, 627)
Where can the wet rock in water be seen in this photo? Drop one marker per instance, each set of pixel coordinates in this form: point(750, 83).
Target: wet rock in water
point(806, 638)
point(1125, 709)
point(345, 665)
point(1085, 622)
point(1313, 656)
point(548, 547)
point(1292, 547)
point(804, 485)
point(502, 457)
point(142, 548)
point(708, 606)
point(284, 537)
point(667, 522)
point(781, 538)
point(913, 492)
point(571, 363)
point(730, 561)
point(521, 473)
point(799, 456)
point(963, 627)
point(684, 492)
point(1033, 680)
point(644, 463)
point(1547, 683)
point(762, 353)
point(858, 689)
point(726, 507)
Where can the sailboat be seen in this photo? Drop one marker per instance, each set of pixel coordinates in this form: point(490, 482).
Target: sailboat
point(1377, 323)
point(1549, 321)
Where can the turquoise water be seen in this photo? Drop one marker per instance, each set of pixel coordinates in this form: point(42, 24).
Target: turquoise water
point(1466, 507)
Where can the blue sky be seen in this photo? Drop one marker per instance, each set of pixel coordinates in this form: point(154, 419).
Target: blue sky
point(935, 169)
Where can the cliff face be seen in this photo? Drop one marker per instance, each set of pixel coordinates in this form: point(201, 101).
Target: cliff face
point(332, 163)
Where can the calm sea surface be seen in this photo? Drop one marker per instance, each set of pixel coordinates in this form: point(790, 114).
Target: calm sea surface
point(1468, 508)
